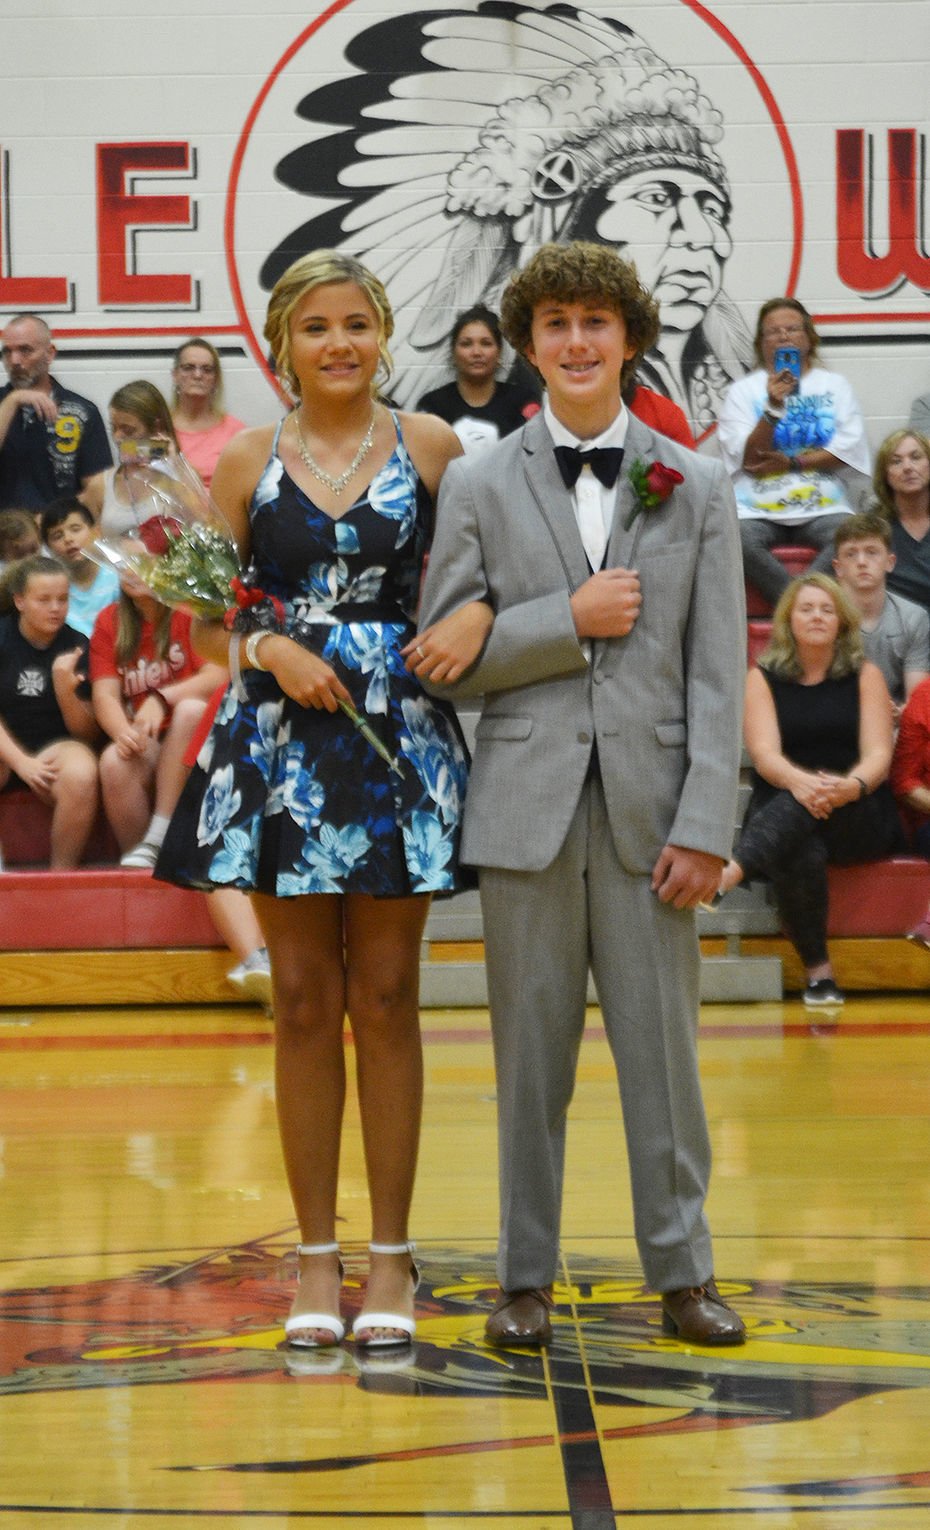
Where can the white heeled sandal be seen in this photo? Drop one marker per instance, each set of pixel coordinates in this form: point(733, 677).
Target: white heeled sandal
point(325, 1322)
point(404, 1327)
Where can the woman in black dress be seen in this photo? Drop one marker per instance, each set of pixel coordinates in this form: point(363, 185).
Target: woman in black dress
point(332, 509)
point(817, 726)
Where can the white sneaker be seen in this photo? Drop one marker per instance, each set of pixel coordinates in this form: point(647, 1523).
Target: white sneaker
point(143, 855)
point(253, 977)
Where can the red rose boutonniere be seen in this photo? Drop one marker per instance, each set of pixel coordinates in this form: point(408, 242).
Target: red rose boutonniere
point(653, 484)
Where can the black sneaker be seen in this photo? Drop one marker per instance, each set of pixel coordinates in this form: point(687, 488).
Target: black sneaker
point(823, 994)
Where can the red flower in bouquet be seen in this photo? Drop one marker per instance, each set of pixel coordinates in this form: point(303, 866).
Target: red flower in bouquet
point(653, 483)
point(158, 532)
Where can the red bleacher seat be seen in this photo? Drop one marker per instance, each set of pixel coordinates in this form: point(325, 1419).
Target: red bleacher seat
point(99, 909)
point(883, 898)
point(758, 633)
point(795, 561)
point(24, 832)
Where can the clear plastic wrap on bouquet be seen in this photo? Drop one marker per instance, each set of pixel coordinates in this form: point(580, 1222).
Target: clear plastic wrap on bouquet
point(188, 555)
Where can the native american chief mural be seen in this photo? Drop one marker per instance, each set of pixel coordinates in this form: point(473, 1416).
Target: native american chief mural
point(465, 138)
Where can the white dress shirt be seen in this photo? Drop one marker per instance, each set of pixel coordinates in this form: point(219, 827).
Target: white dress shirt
point(594, 503)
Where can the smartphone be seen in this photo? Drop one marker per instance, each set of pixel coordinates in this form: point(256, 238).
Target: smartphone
point(144, 452)
point(788, 359)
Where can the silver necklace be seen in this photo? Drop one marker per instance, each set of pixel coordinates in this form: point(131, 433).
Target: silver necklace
point(335, 484)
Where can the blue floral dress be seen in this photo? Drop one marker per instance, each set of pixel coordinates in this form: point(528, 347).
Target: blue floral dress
point(287, 799)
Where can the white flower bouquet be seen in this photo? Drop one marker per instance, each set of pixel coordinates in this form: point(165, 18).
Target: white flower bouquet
point(187, 556)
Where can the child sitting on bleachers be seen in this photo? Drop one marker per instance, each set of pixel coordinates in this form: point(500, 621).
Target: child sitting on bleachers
point(68, 528)
point(149, 691)
point(19, 536)
point(46, 720)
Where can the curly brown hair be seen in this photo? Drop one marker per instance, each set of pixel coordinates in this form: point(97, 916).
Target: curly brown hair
point(580, 272)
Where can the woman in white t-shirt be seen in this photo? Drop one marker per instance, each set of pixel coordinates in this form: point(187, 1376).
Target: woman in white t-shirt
point(789, 440)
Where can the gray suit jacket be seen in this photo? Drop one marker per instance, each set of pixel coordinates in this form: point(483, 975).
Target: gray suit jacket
point(664, 702)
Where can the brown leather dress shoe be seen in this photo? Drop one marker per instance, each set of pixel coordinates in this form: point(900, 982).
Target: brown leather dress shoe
point(521, 1317)
point(699, 1315)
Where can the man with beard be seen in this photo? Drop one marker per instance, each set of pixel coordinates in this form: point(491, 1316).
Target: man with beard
point(51, 439)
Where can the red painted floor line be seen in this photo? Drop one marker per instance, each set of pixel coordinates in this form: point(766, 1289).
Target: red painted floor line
point(793, 1030)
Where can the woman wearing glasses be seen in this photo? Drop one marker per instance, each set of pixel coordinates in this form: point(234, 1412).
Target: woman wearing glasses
point(202, 426)
point(790, 434)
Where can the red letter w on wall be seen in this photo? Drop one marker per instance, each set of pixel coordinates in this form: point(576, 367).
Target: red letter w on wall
point(859, 266)
point(122, 212)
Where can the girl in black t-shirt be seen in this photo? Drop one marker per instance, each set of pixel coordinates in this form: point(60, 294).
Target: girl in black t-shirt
point(46, 721)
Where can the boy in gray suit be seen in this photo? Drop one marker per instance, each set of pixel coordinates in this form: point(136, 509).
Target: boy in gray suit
point(602, 797)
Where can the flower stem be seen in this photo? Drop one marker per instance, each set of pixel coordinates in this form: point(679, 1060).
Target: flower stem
point(372, 737)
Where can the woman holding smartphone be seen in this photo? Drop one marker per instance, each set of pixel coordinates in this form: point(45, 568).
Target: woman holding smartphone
point(790, 435)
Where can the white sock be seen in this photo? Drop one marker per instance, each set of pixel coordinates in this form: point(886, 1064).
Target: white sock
point(157, 829)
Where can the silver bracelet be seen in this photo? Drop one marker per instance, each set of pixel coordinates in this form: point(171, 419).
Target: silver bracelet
point(235, 672)
point(251, 649)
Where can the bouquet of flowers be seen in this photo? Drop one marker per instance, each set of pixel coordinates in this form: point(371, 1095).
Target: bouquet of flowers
point(186, 554)
point(183, 550)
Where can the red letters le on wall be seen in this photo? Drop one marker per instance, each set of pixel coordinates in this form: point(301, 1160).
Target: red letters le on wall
point(23, 292)
point(122, 211)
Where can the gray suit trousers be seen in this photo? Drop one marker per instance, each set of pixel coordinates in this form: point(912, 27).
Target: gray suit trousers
point(542, 929)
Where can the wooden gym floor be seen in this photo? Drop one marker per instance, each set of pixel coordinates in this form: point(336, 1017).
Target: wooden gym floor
point(146, 1266)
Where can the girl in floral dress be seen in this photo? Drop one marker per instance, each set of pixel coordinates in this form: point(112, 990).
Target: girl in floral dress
point(332, 511)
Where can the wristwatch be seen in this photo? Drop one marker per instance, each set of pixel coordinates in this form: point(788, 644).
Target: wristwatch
point(773, 415)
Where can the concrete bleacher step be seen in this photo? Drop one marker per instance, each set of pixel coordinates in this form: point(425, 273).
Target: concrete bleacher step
point(724, 980)
point(744, 911)
point(729, 978)
point(457, 918)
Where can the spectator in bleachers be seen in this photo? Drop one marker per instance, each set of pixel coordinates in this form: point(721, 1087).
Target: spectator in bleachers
point(47, 723)
point(140, 414)
point(51, 439)
point(68, 528)
point(201, 423)
point(901, 484)
point(149, 691)
point(787, 441)
point(910, 782)
point(480, 407)
point(657, 411)
point(817, 726)
point(895, 632)
point(19, 536)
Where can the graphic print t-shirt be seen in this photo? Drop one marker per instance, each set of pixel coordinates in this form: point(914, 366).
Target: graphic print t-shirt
point(145, 673)
point(28, 705)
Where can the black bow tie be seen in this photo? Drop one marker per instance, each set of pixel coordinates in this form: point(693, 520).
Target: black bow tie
point(604, 462)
